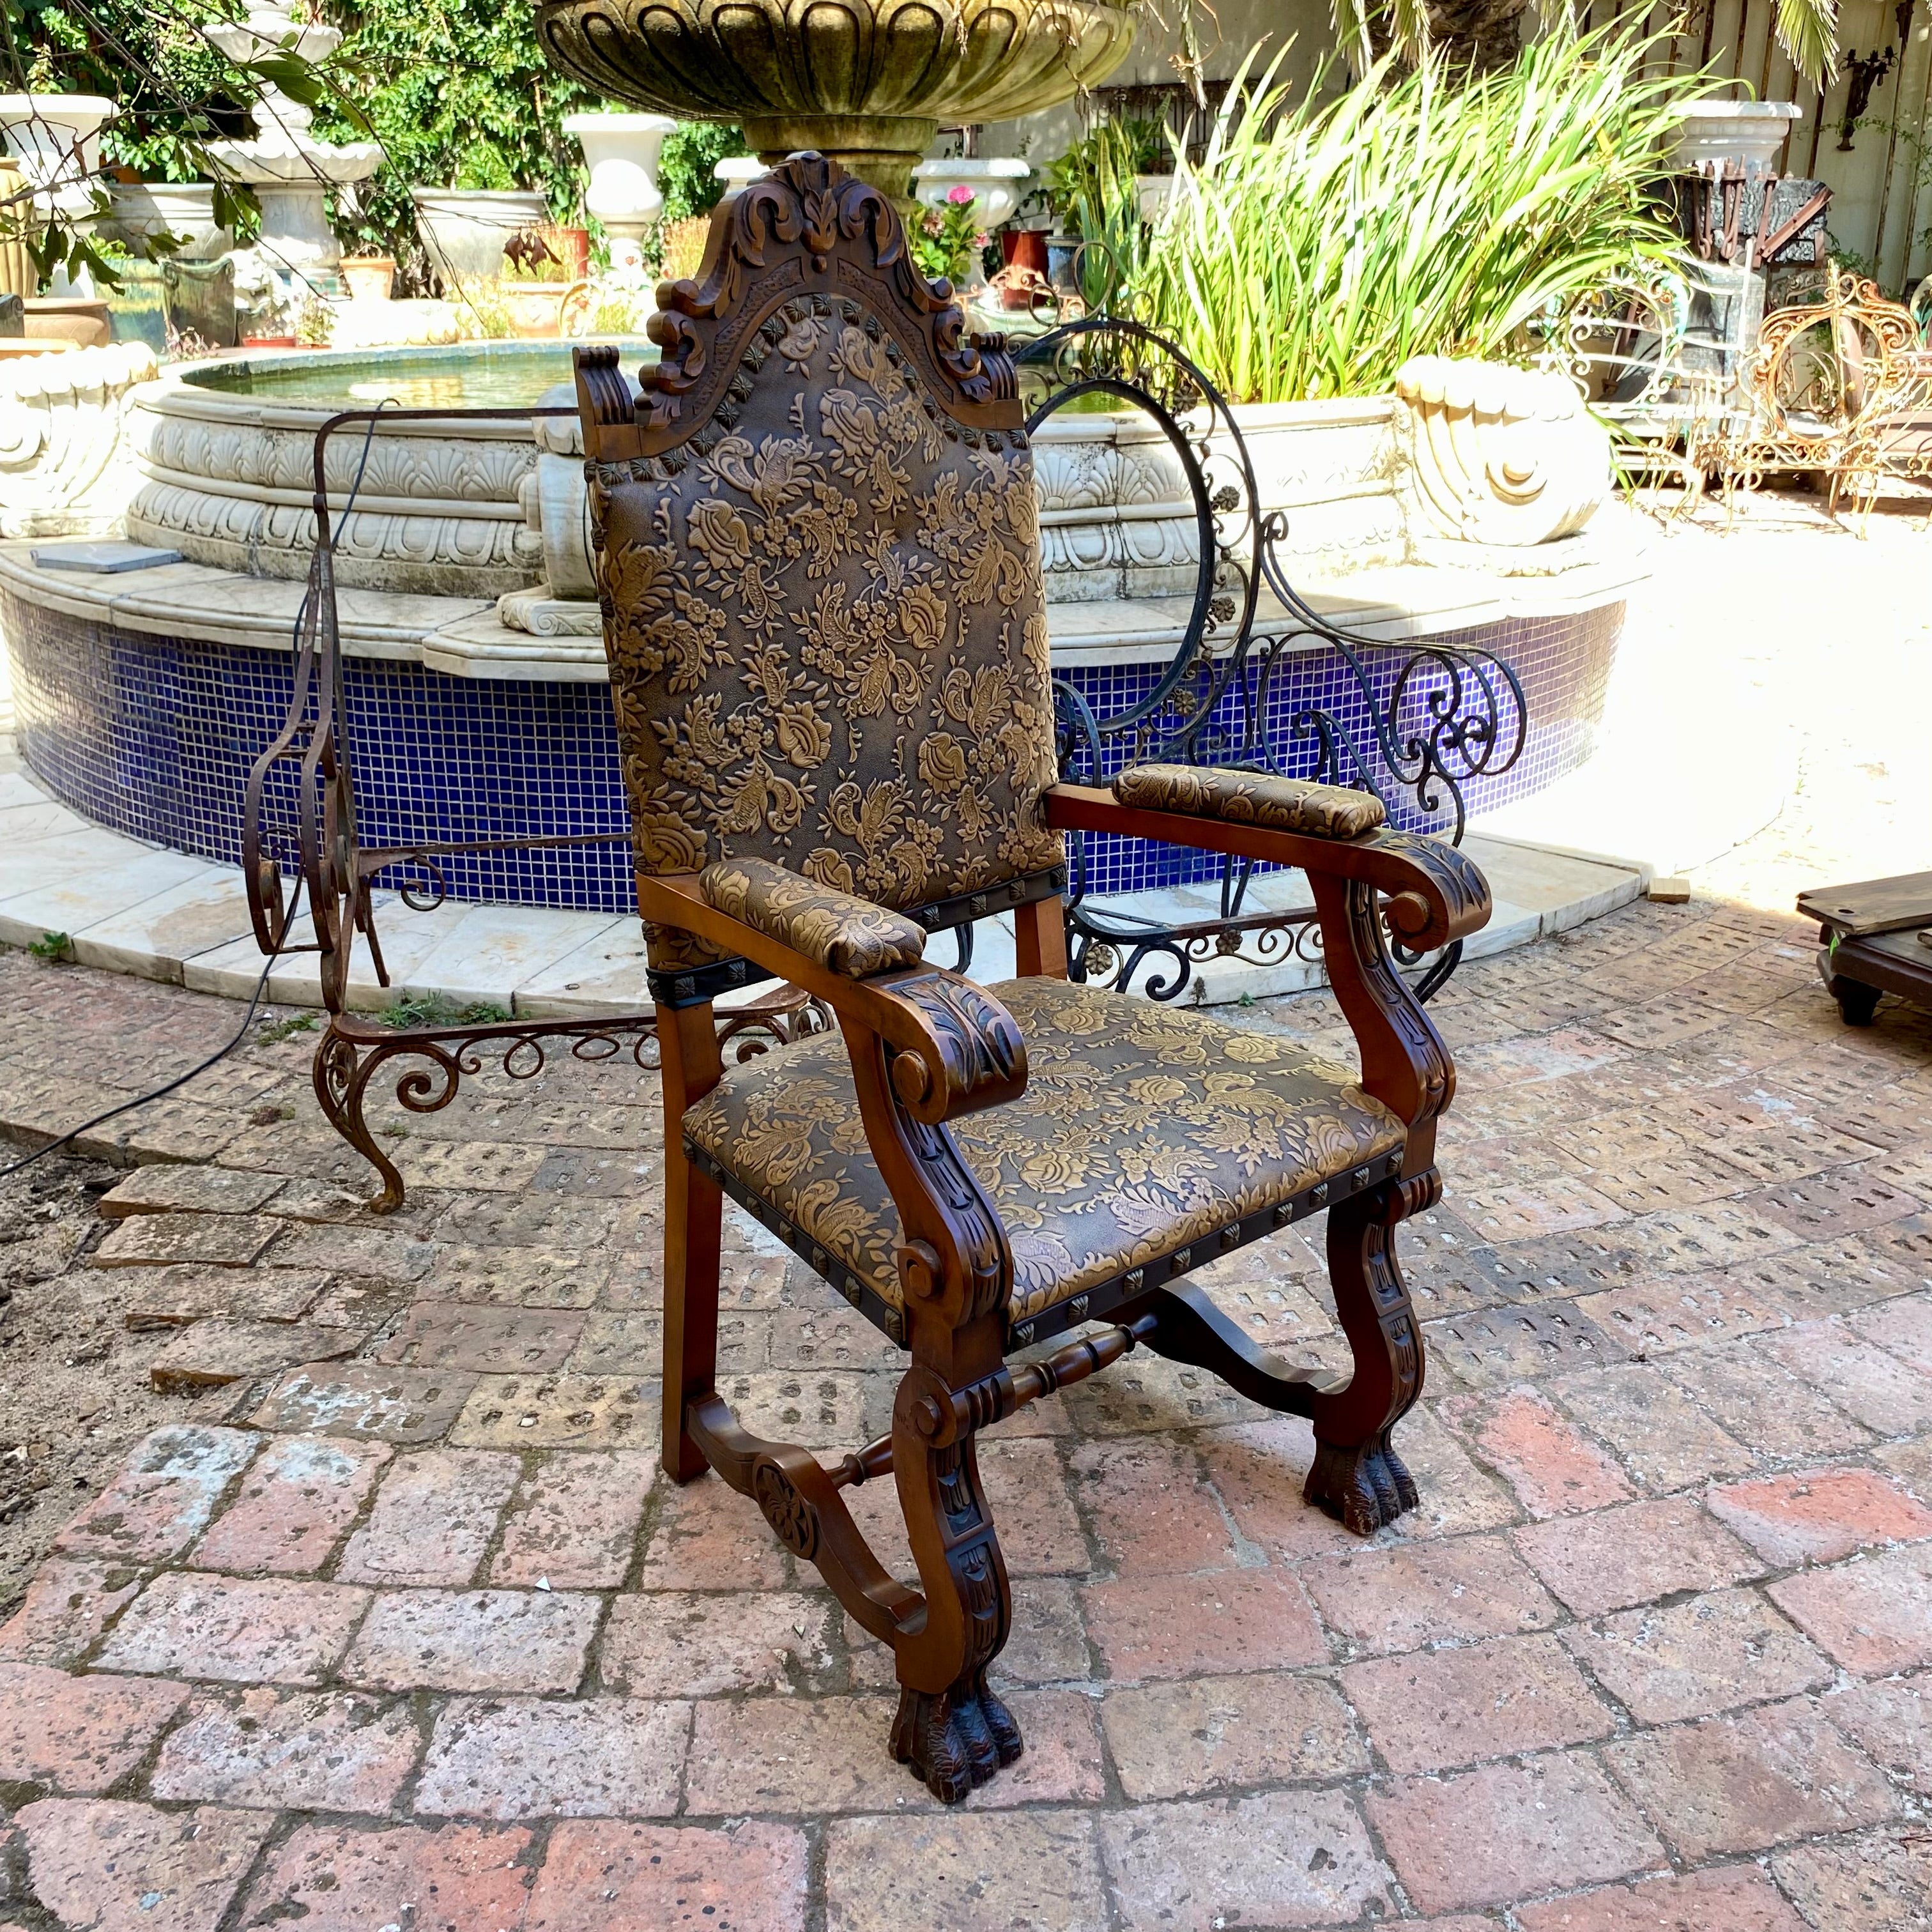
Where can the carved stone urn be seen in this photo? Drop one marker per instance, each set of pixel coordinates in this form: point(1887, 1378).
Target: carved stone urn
point(866, 82)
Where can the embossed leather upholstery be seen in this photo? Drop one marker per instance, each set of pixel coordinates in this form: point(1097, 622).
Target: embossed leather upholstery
point(844, 934)
point(825, 628)
point(1252, 798)
point(1144, 1130)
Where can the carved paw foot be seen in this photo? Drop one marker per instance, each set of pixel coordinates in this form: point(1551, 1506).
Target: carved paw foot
point(954, 1739)
point(1366, 1486)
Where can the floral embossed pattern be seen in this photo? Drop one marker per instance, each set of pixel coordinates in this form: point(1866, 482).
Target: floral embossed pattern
point(1142, 1130)
point(826, 632)
point(843, 935)
point(1252, 798)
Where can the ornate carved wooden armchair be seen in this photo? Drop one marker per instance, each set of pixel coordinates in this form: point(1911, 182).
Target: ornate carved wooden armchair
point(828, 650)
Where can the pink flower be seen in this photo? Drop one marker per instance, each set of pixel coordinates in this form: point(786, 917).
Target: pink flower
point(959, 195)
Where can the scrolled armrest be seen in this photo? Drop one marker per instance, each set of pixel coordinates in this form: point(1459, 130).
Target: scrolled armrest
point(847, 935)
point(1252, 798)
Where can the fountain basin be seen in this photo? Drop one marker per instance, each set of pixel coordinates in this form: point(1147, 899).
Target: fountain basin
point(143, 699)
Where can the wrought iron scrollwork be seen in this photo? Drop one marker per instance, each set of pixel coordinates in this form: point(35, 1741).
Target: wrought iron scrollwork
point(1440, 714)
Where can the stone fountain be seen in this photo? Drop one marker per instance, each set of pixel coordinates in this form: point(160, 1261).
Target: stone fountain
point(867, 82)
point(291, 172)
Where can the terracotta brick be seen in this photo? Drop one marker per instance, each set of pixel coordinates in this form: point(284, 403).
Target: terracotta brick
point(187, 1187)
point(1551, 1466)
point(1508, 1831)
point(234, 1630)
point(1666, 1442)
point(1911, 1463)
point(1686, 1311)
point(1743, 1783)
point(1904, 1326)
point(114, 1867)
point(516, 1277)
point(172, 1297)
point(818, 1410)
point(523, 1757)
point(501, 1341)
point(532, 1640)
point(1873, 1615)
point(1830, 1205)
point(434, 1516)
point(602, 1877)
point(1632, 1554)
point(161, 1497)
point(818, 1755)
point(377, 1254)
point(575, 1521)
point(214, 1353)
point(1286, 1859)
point(1493, 1348)
point(1733, 1898)
point(305, 1750)
point(954, 1872)
point(365, 1400)
point(1039, 1533)
point(68, 1603)
point(1170, 1626)
point(1151, 1513)
point(1890, 1721)
point(562, 1411)
point(1456, 1497)
point(1048, 1644)
point(222, 1240)
point(1398, 1599)
point(706, 1537)
point(78, 1734)
point(1258, 1471)
point(674, 1644)
point(298, 1498)
point(1820, 1516)
point(630, 1342)
point(336, 1878)
point(1880, 1883)
point(1869, 1384)
point(1691, 1659)
point(1178, 1740)
point(1439, 1710)
point(1764, 1407)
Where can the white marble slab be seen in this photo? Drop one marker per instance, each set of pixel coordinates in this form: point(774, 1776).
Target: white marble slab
point(155, 937)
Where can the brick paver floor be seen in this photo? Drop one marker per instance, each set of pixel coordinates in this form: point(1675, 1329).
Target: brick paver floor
point(395, 1625)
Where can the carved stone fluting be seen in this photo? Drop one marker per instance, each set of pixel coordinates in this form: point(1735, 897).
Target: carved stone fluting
point(866, 81)
point(63, 436)
point(228, 480)
point(1499, 455)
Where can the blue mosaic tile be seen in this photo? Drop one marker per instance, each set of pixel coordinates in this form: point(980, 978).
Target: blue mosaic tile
point(155, 737)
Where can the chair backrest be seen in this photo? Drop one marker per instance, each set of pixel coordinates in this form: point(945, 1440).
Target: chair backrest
point(818, 559)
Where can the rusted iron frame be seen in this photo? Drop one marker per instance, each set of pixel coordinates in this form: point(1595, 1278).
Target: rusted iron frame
point(337, 873)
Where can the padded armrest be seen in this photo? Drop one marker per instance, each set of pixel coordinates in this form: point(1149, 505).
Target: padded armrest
point(1252, 798)
point(844, 934)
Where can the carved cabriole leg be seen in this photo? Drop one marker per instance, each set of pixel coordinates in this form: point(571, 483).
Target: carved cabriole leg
point(693, 1206)
point(1040, 936)
point(1357, 1475)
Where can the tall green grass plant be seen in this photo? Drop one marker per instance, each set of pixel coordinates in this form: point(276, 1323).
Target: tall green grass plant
point(1321, 242)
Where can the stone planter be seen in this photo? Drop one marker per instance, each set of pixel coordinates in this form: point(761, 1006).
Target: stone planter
point(535, 308)
point(369, 277)
point(465, 229)
point(996, 185)
point(144, 210)
point(56, 137)
point(1752, 132)
point(622, 150)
